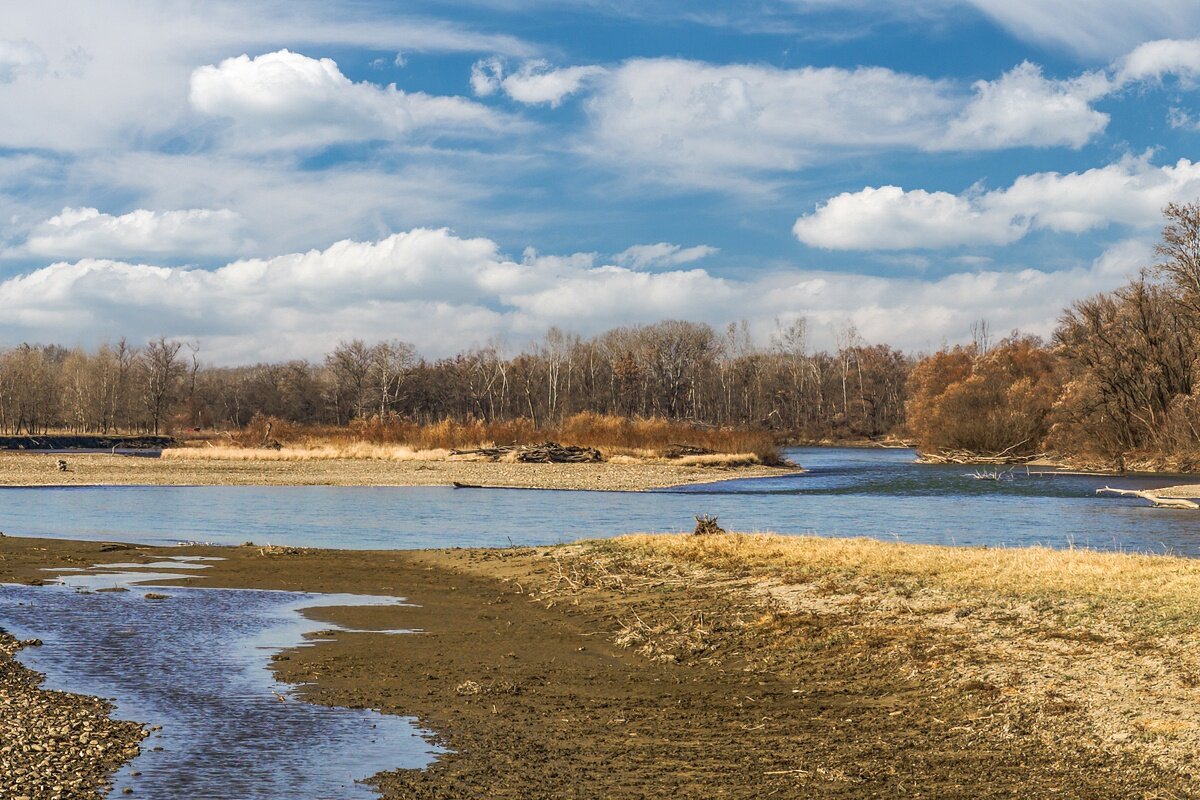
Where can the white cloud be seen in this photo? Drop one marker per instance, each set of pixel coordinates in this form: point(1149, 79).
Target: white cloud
point(1130, 192)
point(85, 232)
point(20, 57)
point(443, 292)
point(662, 254)
point(1023, 108)
point(890, 218)
point(115, 70)
point(1096, 28)
point(1151, 61)
point(286, 99)
point(694, 123)
point(535, 82)
point(698, 123)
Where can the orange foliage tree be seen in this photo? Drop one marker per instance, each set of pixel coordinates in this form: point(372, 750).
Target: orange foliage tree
point(984, 402)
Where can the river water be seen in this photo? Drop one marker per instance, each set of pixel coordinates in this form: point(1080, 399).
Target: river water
point(196, 664)
point(846, 492)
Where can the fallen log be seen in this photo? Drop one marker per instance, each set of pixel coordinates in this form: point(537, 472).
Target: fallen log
point(1159, 502)
point(683, 450)
point(544, 453)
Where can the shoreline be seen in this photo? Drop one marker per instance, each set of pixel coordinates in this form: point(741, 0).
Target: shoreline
point(29, 470)
point(739, 665)
point(56, 744)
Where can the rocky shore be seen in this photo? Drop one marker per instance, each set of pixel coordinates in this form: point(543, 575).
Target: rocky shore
point(55, 745)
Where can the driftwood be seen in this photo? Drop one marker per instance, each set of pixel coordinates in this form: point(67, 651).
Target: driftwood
point(682, 450)
point(1005, 456)
point(990, 475)
point(545, 453)
point(706, 525)
point(1159, 502)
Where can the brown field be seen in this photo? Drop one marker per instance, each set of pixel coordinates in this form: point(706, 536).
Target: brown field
point(753, 665)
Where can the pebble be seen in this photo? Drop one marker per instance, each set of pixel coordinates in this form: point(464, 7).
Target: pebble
point(55, 745)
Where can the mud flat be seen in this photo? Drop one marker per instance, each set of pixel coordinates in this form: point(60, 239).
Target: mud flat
point(90, 469)
point(750, 666)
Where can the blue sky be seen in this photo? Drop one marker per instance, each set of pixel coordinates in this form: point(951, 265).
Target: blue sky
point(269, 178)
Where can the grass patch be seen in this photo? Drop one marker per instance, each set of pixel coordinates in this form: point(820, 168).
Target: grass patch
point(1167, 587)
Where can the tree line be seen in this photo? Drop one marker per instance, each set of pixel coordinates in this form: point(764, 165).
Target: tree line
point(675, 370)
point(1119, 379)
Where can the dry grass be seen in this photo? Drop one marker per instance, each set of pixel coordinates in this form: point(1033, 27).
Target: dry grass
point(1167, 586)
point(1083, 649)
point(613, 436)
point(352, 450)
point(720, 460)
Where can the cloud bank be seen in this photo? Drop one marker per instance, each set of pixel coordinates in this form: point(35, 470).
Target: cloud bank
point(443, 292)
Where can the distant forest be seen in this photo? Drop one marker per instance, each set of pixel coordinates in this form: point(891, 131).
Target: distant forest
point(1119, 378)
point(671, 370)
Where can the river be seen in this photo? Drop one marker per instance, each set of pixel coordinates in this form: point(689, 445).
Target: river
point(846, 492)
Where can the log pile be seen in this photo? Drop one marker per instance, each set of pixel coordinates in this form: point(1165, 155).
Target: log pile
point(1005, 456)
point(544, 453)
point(682, 450)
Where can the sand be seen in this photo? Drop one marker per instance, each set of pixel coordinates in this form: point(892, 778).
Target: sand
point(84, 469)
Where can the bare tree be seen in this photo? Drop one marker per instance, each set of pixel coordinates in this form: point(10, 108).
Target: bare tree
point(161, 371)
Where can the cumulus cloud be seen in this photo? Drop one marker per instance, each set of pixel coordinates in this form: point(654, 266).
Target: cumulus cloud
point(1130, 192)
point(696, 122)
point(662, 254)
point(444, 292)
point(20, 57)
point(890, 218)
point(285, 99)
point(1024, 108)
point(535, 82)
point(691, 122)
point(115, 69)
point(1151, 61)
point(79, 232)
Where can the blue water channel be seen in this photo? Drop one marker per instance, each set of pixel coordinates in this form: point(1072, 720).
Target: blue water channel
point(846, 492)
point(195, 664)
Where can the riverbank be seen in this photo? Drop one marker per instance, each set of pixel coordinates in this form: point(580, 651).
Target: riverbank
point(748, 666)
point(56, 745)
point(93, 469)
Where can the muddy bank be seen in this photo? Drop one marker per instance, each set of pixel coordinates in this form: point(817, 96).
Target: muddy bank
point(90, 469)
point(622, 669)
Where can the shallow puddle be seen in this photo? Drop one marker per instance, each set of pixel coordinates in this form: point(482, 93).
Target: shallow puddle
point(196, 663)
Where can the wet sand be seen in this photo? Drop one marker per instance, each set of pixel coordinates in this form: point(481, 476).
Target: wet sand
point(92, 469)
point(611, 669)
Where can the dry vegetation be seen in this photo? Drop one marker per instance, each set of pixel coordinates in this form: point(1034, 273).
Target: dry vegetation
point(1097, 650)
point(393, 439)
point(1119, 385)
